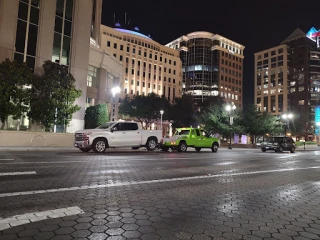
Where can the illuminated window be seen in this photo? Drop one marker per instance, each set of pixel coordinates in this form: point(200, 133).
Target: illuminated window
point(92, 76)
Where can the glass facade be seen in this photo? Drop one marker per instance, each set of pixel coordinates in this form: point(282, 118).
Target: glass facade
point(62, 32)
point(27, 32)
point(200, 67)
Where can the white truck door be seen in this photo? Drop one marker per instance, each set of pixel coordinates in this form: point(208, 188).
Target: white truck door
point(117, 137)
point(132, 134)
point(125, 134)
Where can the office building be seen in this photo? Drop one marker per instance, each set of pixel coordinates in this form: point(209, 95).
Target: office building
point(148, 66)
point(212, 65)
point(66, 32)
point(287, 79)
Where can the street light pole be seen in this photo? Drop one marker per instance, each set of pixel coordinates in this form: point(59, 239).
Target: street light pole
point(287, 118)
point(115, 90)
point(230, 109)
point(161, 113)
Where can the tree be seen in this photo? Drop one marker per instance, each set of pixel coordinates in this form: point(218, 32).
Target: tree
point(257, 123)
point(210, 100)
point(96, 116)
point(216, 120)
point(182, 112)
point(15, 78)
point(53, 96)
point(146, 109)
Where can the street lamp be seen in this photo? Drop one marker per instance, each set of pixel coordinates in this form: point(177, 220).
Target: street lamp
point(161, 113)
point(115, 90)
point(287, 118)
point(230, 109)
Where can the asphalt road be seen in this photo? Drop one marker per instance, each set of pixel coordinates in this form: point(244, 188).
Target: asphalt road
point(231, 194)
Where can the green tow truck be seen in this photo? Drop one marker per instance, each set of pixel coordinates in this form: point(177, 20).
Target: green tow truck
point(190, 137)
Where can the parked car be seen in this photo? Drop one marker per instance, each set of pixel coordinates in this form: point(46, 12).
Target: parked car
point(117, 135)
point(279, 144)
point(190, 137)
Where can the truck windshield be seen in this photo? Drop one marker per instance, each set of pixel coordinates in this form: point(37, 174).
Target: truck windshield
point(105, 125)
point(182, 132)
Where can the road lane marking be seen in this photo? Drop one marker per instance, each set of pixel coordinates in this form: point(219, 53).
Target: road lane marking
point(17, 173)
point(97, 186)
point(17, 220)
point(115, 159)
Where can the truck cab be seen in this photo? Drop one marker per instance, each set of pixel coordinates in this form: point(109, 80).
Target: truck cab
point(185, 138)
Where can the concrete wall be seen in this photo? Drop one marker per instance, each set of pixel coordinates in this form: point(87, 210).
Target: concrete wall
point(80, 46)
point(35, 139)
point(8, 26)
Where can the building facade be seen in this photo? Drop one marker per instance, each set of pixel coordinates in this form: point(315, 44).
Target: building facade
point(33, 31)
point(148, 67)
point(287, 79)
point(271, 80)
point(212, 65)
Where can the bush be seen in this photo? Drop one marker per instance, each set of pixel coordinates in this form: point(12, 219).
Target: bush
point(95, 116)
point(298, 143)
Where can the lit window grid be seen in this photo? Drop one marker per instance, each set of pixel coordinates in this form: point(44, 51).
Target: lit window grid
point(267, 90)
point(224, 85)
point(134, 89)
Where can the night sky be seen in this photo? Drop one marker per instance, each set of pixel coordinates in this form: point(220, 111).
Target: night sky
point(257, 25)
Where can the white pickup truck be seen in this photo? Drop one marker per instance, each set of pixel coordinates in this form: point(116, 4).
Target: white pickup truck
point(117, 135)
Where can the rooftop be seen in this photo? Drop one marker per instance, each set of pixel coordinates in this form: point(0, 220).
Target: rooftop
point(126, 28)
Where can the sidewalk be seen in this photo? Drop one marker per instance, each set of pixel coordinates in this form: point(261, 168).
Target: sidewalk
point(14, 148)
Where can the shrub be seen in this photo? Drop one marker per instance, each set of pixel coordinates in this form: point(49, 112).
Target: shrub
point(96, 115)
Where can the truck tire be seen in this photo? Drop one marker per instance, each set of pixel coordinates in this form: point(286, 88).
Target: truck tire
point(214, 147)
point(151, 143)
point(182, 146)
point(198, 149)
point(99, 145)
point(292, 150)
point(263, 149)
point(85, 149)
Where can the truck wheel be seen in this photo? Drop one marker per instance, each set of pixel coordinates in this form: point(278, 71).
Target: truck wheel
point(182, 147)
point(85, 149)
point(99, 145)
point(151, 144)
point(263, 149)
point(214, 147)
point(198, 149)
point(292, 150)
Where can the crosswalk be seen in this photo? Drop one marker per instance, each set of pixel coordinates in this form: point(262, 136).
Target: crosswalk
point(26, 218)
point(6, 159)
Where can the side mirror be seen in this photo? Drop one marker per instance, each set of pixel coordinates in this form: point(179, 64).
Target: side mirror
point(111, 130)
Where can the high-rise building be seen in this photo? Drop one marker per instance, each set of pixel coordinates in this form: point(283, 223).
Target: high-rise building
point(148, 66)
point(212, 65)
point(287, 79)
point(66, 32)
